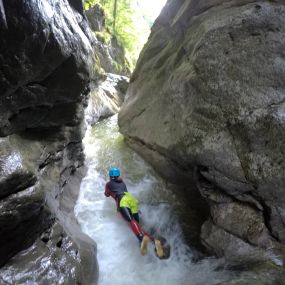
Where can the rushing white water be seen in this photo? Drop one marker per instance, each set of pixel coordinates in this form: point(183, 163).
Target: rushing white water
point(119, 258)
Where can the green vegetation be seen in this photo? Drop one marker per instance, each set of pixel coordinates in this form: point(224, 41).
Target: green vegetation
point(126, 20)
point(104, 37)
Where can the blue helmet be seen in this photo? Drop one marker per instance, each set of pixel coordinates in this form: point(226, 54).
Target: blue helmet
point(114, 172)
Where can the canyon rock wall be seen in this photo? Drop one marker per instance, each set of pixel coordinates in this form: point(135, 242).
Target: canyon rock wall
point(45, 54)
point(108, 49)
point(206, 104)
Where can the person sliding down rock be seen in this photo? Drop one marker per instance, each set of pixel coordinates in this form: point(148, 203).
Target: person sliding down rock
point(127, 205)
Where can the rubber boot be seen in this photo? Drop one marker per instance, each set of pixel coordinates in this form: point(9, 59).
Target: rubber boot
point(158, 248)
point(140, 237)
point(144, 245)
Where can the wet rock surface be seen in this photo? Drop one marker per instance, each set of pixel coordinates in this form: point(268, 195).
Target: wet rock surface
point(44, 69)
point(52, 259)
point(43, 65)
point(23, 217)
point(106, 97)
point(52, 247)
point(207, 98)
point(27, 218)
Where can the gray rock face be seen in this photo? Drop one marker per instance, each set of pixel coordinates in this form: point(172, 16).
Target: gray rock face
point(207, 97)
point(110, 52)
point(44, 80)
point(53, 246)
point(96, 18)
point(106, 98)
point(43, 65)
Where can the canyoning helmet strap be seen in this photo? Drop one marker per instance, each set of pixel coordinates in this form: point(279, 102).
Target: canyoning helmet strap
point(114, 172)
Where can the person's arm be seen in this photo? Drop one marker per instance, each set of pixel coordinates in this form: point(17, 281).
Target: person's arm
point(107, 190)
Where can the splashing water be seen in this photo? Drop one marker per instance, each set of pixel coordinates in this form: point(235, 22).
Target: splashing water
point(119, 257)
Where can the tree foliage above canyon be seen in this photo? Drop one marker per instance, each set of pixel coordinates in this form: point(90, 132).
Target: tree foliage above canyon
point(129, 21)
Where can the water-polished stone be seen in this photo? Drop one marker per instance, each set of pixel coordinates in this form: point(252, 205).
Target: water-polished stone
point(207, 97)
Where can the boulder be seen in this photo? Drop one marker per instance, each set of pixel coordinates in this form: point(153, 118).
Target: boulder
point(106, 98)
point(207, 98)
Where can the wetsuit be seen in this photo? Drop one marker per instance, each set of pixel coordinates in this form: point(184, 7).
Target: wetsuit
point(127, 205)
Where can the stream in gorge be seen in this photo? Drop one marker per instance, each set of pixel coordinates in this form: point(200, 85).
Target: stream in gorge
point(118, 255)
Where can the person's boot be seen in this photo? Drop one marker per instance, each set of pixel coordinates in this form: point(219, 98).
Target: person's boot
point(158, 248)
point(144, 245)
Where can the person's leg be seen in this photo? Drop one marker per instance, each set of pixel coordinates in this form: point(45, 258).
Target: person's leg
point(129, 208)
point(127, 215)
point(136, 217)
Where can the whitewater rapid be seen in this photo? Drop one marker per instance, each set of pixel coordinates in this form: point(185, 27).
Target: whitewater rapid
point(120, 262)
